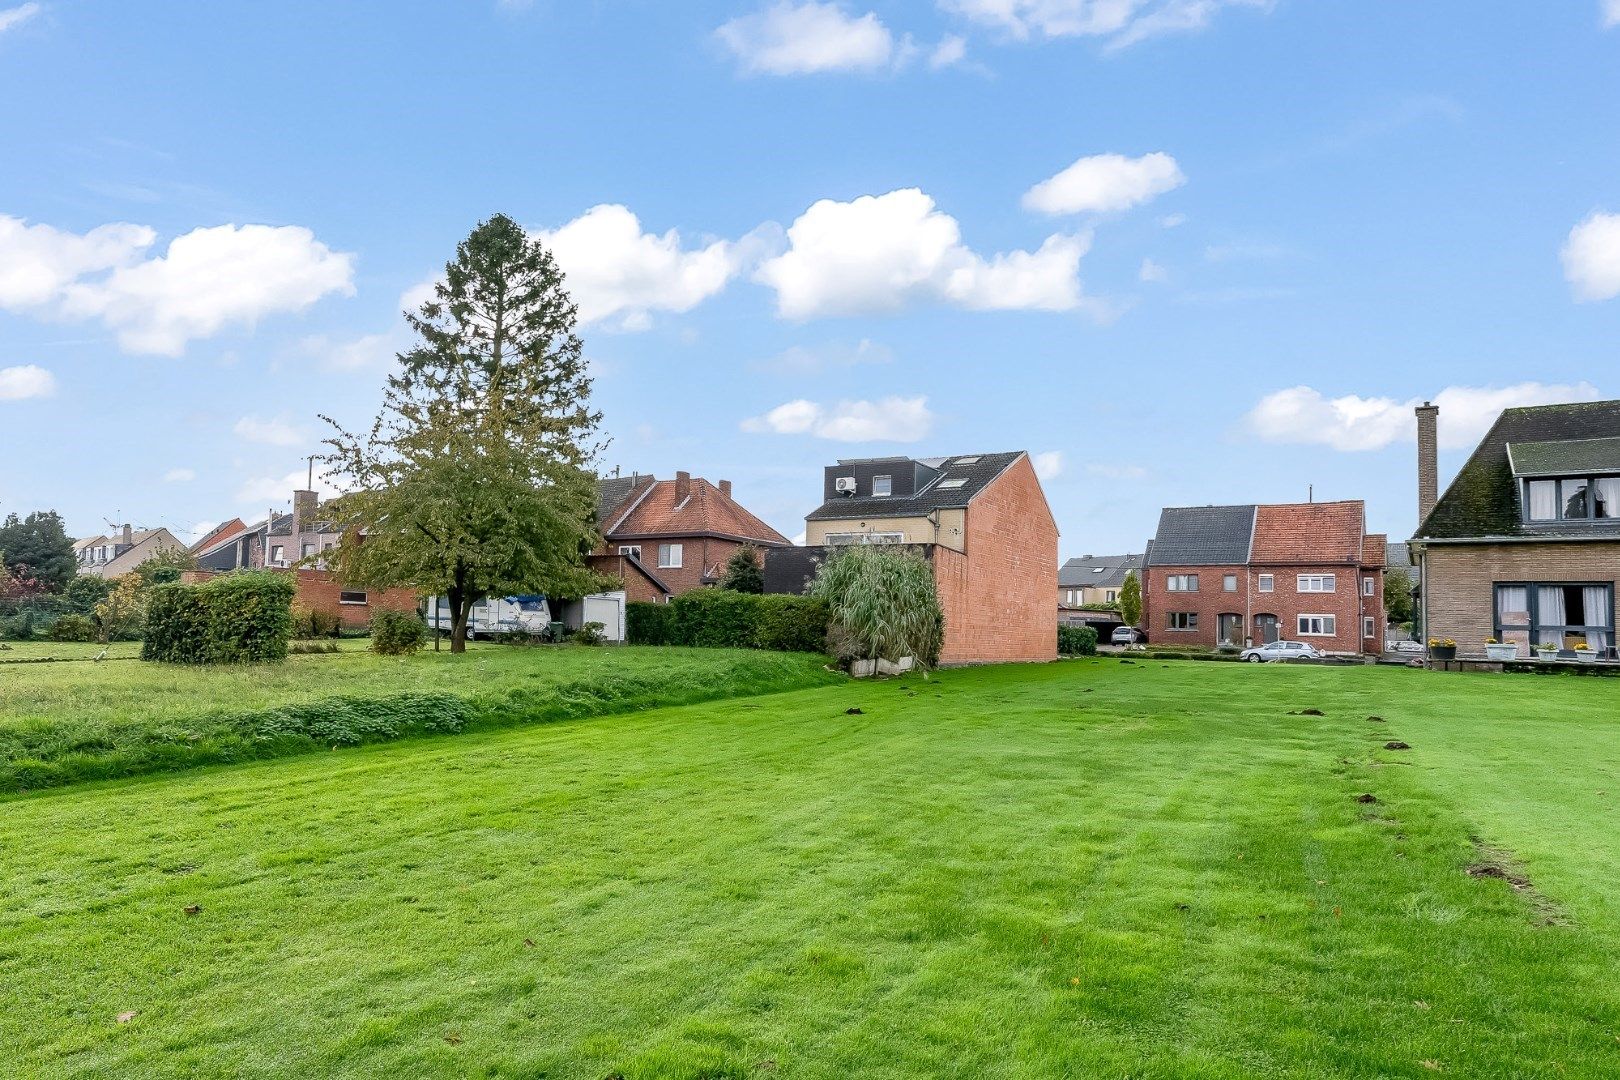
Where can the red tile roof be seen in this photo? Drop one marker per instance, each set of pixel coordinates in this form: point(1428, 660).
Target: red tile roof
point(1309, 533)
point(220, 533)
point(1376, 553)
point(705, 511)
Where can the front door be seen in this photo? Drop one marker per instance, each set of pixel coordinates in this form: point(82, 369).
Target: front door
point(1265, 626)
point(1231, 629)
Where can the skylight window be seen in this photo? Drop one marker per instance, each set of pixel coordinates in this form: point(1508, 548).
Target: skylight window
point(966, 461)
point(1098, 569)
point(952, 483)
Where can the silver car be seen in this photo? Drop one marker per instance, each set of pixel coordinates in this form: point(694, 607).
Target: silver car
point(1280, 650)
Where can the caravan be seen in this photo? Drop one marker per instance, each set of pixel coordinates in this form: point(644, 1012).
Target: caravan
point(495, 615)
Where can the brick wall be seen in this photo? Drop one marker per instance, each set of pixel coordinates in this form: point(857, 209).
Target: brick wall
point(1346, 604)
point(1459, 594)
point(998, 595)
point(698, 555)
point(319, 591)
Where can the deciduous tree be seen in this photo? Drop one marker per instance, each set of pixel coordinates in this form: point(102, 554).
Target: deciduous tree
point(38, 547)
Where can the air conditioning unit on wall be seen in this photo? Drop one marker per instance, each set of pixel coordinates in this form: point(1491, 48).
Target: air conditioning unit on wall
point(844, 485)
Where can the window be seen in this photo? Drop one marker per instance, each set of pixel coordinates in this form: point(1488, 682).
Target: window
point(1577, 498)
point(278, 554)
point(966, 461)
point(1317, 626)
point(351, 597)
point(1318, 583)
point(1183, 620)
point(839, 539)
point(308, 549)
point(1182, 583)
point(1369, 586)
point(952, 483)
point(882, 486)
point(1111, 596)
point(1563, 613)
point(1266, 583)
point(632, 550)
point(328, 546)
point(1229, 583)
point(669, 556)
point(1369, 629)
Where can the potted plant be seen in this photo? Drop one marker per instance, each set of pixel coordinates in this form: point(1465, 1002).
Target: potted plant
point(1442, 649)
point(1496, 650)
point(1585, 653)
point(1547, 650)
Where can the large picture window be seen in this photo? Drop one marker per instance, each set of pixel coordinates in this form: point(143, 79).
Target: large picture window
point(1318, 583)
point(1530, 613)
point(1317, 626)
point(1579, 498)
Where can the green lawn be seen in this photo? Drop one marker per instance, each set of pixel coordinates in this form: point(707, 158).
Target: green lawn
point(67, 650)
point(1091, 868)
point(63, 722)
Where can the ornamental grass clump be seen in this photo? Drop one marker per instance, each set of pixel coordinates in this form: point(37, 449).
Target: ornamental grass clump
point(882, 605)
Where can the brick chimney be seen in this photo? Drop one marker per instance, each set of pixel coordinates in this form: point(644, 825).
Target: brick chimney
point(1428, 447)
point(725, 488)
point(683, 486)
point(129, 536)
point(306, 504)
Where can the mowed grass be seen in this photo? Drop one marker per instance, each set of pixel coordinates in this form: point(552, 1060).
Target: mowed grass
point(1081, 869)
point(66, 722)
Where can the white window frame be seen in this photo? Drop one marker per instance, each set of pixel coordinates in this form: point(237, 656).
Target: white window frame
point(1329, 624)
point(1181, 583)
point(1188, 617)
point(888, 486)
point(845, 538)
point(633, 550)
point(1110, 596)
point(1317, 583)
point(670, 556)
point(1266, 583)
point(1369, 627)
point(1369, 585)
point(278, 553)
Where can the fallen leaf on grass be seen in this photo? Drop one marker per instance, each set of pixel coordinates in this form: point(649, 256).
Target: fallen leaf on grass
point(126, 1017)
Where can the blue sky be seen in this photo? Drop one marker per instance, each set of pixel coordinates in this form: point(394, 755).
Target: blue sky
point(1185, 251)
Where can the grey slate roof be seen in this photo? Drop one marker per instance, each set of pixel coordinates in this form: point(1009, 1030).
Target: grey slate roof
point(1483, 499)
point(976, 475)
point(1397, 555)
point(1097, 572)
point(1203, 536)
point(1566, 457)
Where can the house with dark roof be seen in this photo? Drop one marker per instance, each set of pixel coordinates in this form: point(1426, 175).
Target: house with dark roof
point(663, 538)
point(114, 555)
point(1249, 574)
point(981, 520)
point(1092, 581)
point(1524, 546)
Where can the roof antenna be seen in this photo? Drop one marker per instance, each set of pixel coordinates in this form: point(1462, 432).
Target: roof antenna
point(1310, 493)
point(309, 485)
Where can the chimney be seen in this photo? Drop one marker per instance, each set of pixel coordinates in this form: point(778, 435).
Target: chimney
point(725, 488)
point(305, 506)
point(683, 486)
point(1428, 444)
point(129, 536)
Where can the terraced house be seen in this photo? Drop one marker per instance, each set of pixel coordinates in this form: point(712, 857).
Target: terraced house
point(1524, 546)
point(1248, 574)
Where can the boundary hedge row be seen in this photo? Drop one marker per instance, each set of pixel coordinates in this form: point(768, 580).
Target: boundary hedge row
point(723, 619)
point(239, 618)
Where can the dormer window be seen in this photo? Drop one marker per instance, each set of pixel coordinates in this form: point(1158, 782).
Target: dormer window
point(1575, 498)
point(882, 486)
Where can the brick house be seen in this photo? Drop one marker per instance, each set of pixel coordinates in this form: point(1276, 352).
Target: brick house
point(1525, 544)
point(981, 520)
point(1236, 575)
point(663, 538)
point(280, 541)
point(1093, 580)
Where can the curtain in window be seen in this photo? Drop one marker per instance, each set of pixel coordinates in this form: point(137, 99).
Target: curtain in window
point(1543, 500)
point(1551, 599)
point(1608, 497)
point(1596, 598)
point(1512, 605)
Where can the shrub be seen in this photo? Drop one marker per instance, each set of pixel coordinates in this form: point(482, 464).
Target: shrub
point(245, 617)
point(309, 647)
point(397, 633)
point(743, 573)
point(716, 618)
point(649, 624)
point(881, 603)
point(792, 623)
point(72, 628)
point(591, 633)
point(1077, 640)
point(307, 623)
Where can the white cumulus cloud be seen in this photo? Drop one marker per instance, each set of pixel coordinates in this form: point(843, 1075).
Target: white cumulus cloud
point(26, 381)
point(272, 432)
point(1591, 256)
point(881, 252)
point(1121, 22)
point(1611, 14)
point(1304, 415)
point(616, 271)
point(206, 280)
point(893, 419)
point(366, 351)
point(1152, 272)
point(806, 38)
point(180, 476)
point(1105, 182)
point(1049, 464)
point(11, 18)
point(264, 491)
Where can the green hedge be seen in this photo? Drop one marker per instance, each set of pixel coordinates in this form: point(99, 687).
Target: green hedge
point(238, 618)
point(1077, 640)
point(723, 619)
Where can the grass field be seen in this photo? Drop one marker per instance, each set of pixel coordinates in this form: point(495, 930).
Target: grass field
point(65, 722)
point(1083, 869)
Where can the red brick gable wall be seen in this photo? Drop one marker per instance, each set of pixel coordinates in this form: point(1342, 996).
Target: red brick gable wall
point(997, 595)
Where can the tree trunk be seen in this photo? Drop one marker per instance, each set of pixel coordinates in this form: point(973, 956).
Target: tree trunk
point(459, 606)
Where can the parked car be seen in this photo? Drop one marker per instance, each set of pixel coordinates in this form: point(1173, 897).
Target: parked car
point(1128, 635)
point(1280, 650)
